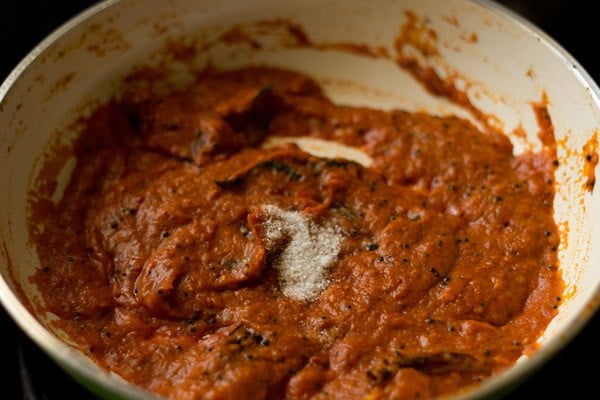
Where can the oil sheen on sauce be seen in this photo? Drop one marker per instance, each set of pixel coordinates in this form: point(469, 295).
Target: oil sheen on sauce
point(198, 264)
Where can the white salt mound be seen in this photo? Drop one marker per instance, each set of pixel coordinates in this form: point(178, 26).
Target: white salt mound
point(310, 250)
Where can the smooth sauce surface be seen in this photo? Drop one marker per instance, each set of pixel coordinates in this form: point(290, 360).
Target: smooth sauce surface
point(166, 259)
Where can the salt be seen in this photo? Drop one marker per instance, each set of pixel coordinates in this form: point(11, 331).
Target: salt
point(309, 251)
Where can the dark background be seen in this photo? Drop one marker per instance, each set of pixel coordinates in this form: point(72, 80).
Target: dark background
point(29, 375)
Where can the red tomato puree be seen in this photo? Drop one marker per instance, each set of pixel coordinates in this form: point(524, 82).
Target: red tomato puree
point(197, 263)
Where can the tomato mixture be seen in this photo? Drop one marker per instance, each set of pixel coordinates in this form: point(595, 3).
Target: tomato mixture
point(197, 263)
